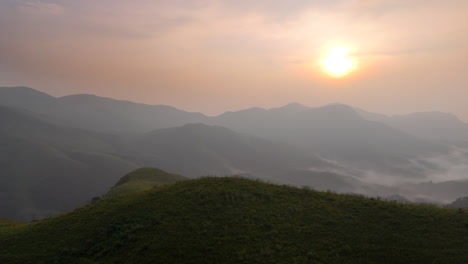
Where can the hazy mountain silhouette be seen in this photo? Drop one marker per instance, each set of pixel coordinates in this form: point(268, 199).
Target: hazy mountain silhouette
point(45, 169)
point(97, 113)
point(459, 203)
point(445, 191)
point(27, 98)
point(116, 116)
point(198, 149)
point(435, 126)
point(339, 133)
point(50, 160)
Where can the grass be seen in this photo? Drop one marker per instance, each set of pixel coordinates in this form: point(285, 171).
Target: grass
point(235, 220)
point(142, 179)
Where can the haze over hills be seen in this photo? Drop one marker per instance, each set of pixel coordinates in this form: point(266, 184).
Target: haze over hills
point(215, 150)
point(97, 113)
point(338, 133)
point(459, 203)
point(336, 147)
point(46, 169)
point(66, 166)
point(436, 126)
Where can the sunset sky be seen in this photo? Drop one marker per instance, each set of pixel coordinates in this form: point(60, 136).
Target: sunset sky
point(214, 56)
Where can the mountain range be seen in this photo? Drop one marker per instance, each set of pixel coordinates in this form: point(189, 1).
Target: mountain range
point(58, 153)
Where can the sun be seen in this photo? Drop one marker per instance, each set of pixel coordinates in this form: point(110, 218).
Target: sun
point(336, 63)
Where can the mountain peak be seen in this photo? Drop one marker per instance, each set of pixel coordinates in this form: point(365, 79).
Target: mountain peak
point(431, 116)
point(245, 112)
point(337, 110)
point(26, 98)
point(22, 91)
point(89, 98)
point(339, 106)
point(292, 107)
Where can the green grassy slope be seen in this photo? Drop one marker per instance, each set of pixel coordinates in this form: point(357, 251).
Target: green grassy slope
point(7, 223)
point(234, 220)
point(143, 179)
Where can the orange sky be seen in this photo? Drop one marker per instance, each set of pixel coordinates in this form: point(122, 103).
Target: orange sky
point(214, 56)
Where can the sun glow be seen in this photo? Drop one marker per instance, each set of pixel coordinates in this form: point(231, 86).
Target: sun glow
point(337, 64)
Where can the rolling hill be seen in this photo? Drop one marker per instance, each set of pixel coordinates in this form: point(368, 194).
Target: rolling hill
point(235, 220)
point(142, 179)
point(46, 169)
point(193, 150)
point(88, 142)
point(199, 149)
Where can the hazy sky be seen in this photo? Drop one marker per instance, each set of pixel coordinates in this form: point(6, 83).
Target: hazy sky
point(213, 56)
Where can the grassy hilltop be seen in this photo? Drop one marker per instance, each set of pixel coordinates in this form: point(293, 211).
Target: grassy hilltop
point(235, 220)
point(142, 179)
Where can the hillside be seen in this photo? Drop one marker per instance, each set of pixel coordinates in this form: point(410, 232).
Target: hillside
point(334, 147)
point(68, 166)
point(198, 149)
point(47, 169)
point(142, 179)
point(234, 220)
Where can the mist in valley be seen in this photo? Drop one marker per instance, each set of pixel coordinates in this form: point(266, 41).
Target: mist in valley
point(77, 151)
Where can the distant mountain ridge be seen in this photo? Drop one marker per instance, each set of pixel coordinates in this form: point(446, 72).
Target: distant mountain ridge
point(337, 132)
point(437, 126)
point(108, 115)
point(215, 150)
point(96, 113)
point(75, 147)
point(46, 168)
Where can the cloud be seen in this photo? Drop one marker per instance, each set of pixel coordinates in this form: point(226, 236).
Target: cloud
point(37, 7)
point(275, 10)
point(454, 165)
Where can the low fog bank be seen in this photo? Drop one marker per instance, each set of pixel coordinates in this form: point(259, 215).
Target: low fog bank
point(444, 179)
